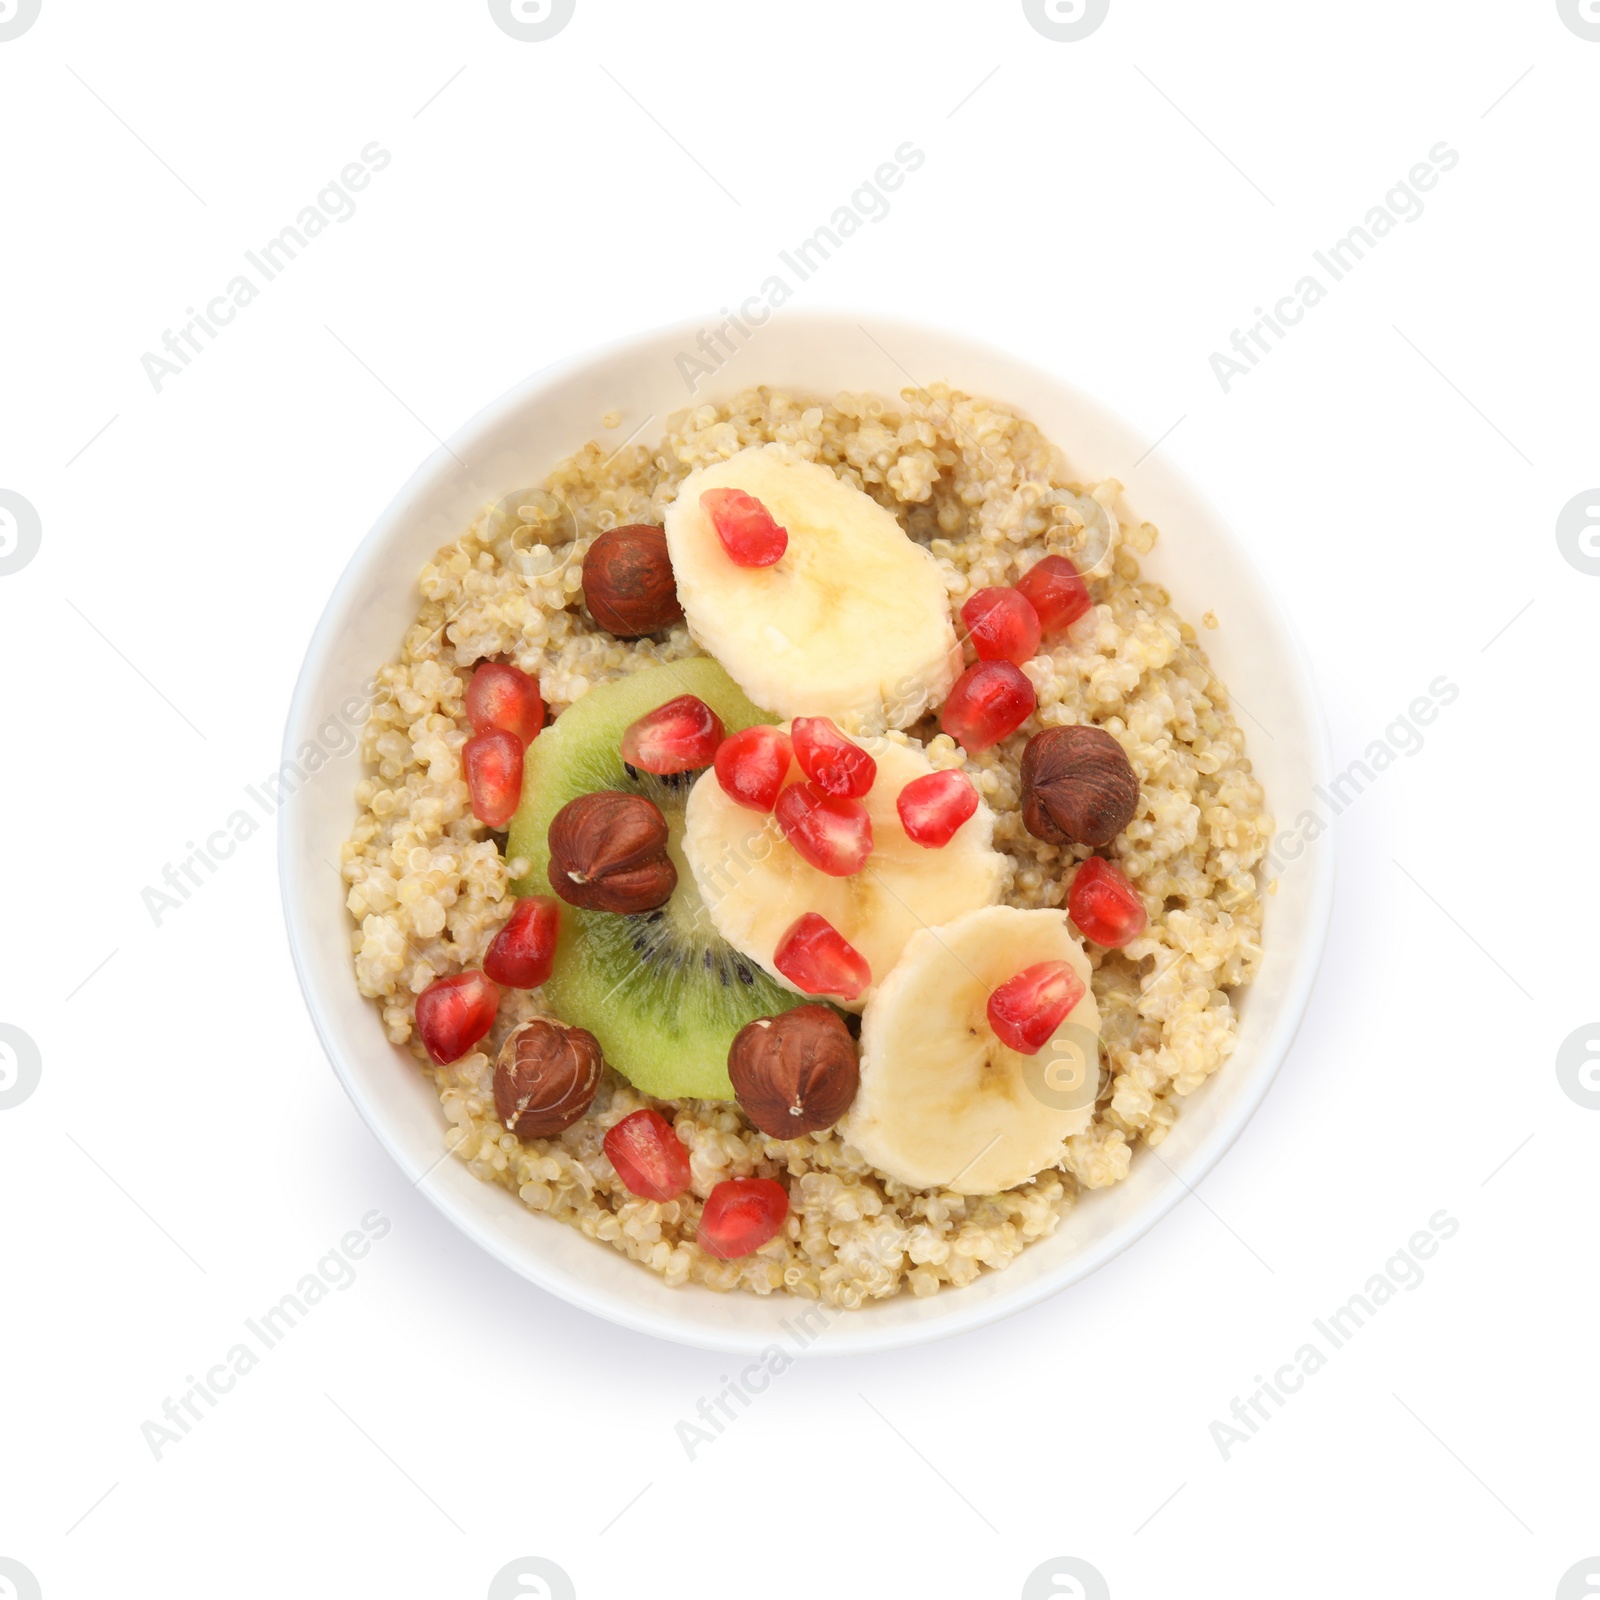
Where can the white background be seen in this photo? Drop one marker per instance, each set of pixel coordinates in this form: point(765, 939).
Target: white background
point(1397, 466)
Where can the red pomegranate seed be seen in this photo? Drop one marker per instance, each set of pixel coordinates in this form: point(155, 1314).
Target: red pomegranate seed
point(454, 1013)
point(740, 1215)
point(492, 763)
point(504, 697)
point(1002, 625)
point(522, 952)
point(677, 737)
point(834, 835)
point(816, 957)
point(1026, 1010)
point(649, 1157)
point(933, 807)
point(1105, 906)
point(989, 701)
point(752, 765)
point(746, 528)
point(831, 761)
point(1056, 592)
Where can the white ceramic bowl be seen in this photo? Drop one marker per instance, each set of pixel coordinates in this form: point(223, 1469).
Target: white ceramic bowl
point(513, 443)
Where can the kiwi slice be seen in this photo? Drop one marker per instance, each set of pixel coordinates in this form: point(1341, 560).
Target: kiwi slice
point(662, 991)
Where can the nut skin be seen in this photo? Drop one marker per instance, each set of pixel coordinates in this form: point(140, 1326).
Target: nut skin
point(545, 1078)
point(1078, 786)
point(608, 852)
point(628, 581)
point(795, 1073)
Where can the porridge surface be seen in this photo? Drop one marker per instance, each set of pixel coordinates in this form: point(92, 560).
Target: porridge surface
point(989, 496)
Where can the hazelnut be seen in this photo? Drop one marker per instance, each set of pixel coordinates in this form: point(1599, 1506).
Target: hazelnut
point(1078, 786)
point(608, 852)
point(628, 582)
point(794, 1073)
point(545, 1078)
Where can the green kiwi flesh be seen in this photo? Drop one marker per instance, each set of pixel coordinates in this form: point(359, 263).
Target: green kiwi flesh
point(662, 991)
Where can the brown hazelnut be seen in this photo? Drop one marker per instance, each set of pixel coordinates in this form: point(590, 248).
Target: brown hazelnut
point(545, 1078)
point(1078, 786)
point(796, 1072)
point(608, 852)
point(628, 582)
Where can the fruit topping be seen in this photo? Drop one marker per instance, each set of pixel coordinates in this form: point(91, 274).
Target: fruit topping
point(837, 765)
point(608, 852)
point(753, 764)
point(988, 701)
point(834, 835)
point(521, 954)
point(854, 623)
point(500, 696)
point(454, 1013)
point(753, 885)
point(1078, 786)
point(741, 1215)
point(796, 1073)
point(944, 1103)
point(814, 956)
point(680, 736)
point(1026, 1010)
point(1104, 905)
point(649, 1157)
point(628, 582)
point(663, 992)
point(1056, 592)
point(932, 808)
point(545, 1078)
point(1002, 625)
point(748, 531)
point(492, 763)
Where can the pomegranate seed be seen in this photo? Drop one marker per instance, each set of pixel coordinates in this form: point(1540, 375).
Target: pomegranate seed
point(1105, 906)
point(740, 1215)
point(1056, 592)
point(1002, 626)
point(989, 701)
point(525, 948)
point(1026, 1010)
point(454, 1013)
point(933, 807)
point(752, 764)
point(677, 737)
point(504, 697)
point(830, 760)
point(814, 956)
point(492, 762)
point(746, 528)
point(648, 1155)
point(834, 835)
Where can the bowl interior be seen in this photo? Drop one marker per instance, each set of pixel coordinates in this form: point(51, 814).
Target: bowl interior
point(513, 444)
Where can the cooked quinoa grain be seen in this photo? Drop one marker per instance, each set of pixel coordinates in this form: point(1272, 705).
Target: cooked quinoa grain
point(989, 496)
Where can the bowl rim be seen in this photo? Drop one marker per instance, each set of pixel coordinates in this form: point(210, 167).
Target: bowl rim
point(840, 1339)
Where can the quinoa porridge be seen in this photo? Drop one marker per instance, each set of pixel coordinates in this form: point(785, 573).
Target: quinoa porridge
point(985, 498)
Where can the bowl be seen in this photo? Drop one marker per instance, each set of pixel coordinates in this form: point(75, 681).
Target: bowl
point(514, 442)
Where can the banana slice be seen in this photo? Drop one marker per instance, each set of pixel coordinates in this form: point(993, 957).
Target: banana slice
point(943, 1104)
point(852, 622)
point(755, 884)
